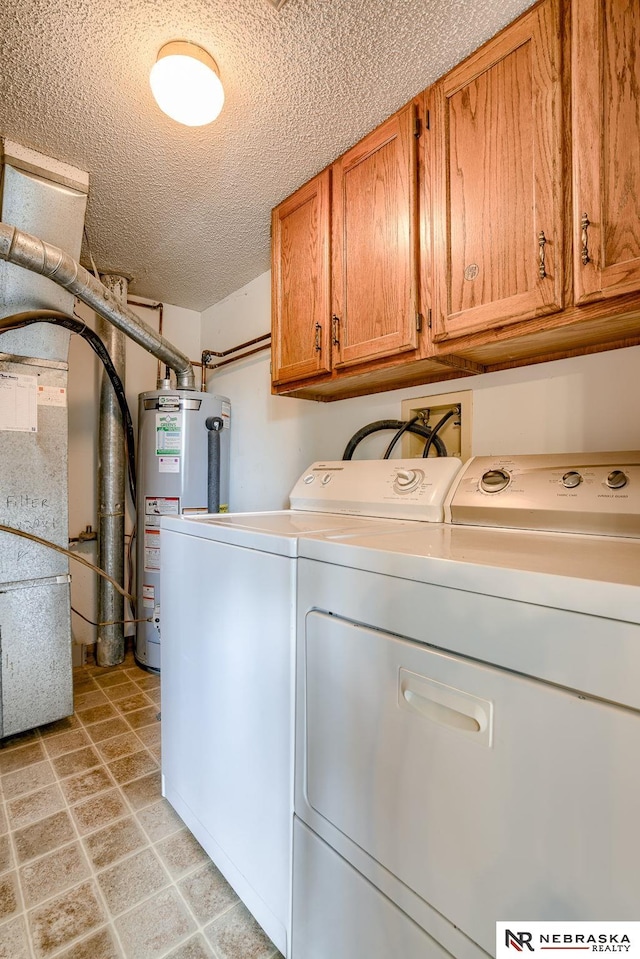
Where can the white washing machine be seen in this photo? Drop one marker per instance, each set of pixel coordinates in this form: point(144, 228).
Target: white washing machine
point(468, 715)
point(228, 641)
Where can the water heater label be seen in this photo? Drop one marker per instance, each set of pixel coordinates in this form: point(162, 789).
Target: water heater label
point(169, 434)
point(148, 597)
point(225, 413)
point(157, 506)
point(152, 549)
point(168, 464)
point(52, 396)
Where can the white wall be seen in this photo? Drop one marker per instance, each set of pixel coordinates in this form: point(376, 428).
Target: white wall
point(584, 403)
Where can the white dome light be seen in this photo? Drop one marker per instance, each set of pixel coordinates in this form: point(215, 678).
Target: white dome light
point(186, 84)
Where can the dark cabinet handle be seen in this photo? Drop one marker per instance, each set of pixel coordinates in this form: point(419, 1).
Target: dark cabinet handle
point(585, 224)
point(335, 325)
point(318, 344)
point(542, 242)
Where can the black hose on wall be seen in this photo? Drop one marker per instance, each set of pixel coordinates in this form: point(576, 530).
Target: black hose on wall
point(400, 427)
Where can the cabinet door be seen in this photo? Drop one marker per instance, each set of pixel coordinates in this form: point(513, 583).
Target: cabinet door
point(498, 240)
point(606, 144)
point(300, 280)
point(375, 244)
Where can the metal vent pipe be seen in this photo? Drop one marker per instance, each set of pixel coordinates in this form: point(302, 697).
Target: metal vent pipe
point(111, 489)
point(36, 255)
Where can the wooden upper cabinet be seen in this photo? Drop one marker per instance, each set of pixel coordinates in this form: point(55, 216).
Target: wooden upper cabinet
point(606, 147)
point(375, 244)
point(300, 281)
point(498, 195)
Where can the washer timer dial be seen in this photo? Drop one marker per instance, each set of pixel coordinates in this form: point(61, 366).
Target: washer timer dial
point(493, 481)
point(407, 480)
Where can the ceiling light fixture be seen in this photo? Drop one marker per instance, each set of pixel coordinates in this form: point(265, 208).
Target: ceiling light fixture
point(186, 83)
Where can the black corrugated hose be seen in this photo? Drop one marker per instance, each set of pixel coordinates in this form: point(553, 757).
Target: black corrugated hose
point(400, 427)
point(19, 320)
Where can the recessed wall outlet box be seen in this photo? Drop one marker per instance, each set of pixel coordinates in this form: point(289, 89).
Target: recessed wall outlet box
point(455, 433)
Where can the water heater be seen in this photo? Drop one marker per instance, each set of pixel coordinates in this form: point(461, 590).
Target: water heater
point(174, 464)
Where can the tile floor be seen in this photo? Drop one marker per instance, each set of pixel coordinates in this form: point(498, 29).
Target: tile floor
point(94, 864)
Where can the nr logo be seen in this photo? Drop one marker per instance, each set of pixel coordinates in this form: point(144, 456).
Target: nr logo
point(518, 940)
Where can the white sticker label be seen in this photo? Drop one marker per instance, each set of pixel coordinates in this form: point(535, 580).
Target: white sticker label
point(168, 434)
point(52, 396)
point(168, 464)
point(225, 413)
point(151, 549)
point(157, 506)
point(18, 403)
point(148, 596)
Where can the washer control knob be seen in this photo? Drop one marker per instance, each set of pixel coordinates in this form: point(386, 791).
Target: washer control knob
point(617, 479)
point(326, 479)
point(571, 479)
point(495, 480)
point(407, 480)
point(309, 478)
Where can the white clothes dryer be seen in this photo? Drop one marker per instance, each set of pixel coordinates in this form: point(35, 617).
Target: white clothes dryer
point(468, 715)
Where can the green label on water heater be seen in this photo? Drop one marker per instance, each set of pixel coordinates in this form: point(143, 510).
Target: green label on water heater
point(168, 434)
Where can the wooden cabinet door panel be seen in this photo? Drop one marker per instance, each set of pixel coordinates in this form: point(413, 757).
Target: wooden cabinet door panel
point(498, 239)
point(375, 244)
point(301, 283)
point(606, 146)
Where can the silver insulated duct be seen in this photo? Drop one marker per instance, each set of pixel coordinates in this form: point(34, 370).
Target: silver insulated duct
point(48, 198)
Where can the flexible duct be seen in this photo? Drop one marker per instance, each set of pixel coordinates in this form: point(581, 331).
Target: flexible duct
point(36, 255)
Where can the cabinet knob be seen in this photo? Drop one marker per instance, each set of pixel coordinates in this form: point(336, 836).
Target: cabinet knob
point(585, 223)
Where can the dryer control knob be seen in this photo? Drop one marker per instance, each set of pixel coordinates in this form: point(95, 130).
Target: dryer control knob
point(495, 480)
point(407, 480)
point(617, 479)
point(571, 479)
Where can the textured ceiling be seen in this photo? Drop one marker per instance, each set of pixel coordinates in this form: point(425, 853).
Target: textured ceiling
point(185, 212)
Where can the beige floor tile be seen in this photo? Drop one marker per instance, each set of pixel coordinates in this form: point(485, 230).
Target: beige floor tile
point(27, 780)
point(53, 873)
point(20, 739)
point(100, 945)
point(108, 845)
point(108, 729)
point(131, 880)
point(85, 686)
point(236, 935)
point(154, 695)
point(132, 767)
point(119, 746)
point(86, 784)
point(147, 681)
point(98, 811)
point(3, 818)
point(43, 836)
point(141, 792)
point(10, 901)
point(97, 714)
point(194, 948)
point(159, 820)
point(57, 922)
point(60, 726)
point(151, 929)
point(137, 701)
point(123, 691)
point(181, 852)
point(19, 758)
point(66, 742)
point(14, 943)
point(86, 700)
point(115, 678)
point(143, 717)
point(76, 762)
point(207, 893)
point(150, 735)
point(6, 855)
point(34, 806)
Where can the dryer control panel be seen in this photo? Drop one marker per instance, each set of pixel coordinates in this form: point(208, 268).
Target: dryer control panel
point(395, 489)
point(573, 492)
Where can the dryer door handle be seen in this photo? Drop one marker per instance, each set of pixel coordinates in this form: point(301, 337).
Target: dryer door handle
point(446, 705)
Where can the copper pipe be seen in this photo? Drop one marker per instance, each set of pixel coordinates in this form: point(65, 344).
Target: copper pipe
point(207, 354)
point(259, 349)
